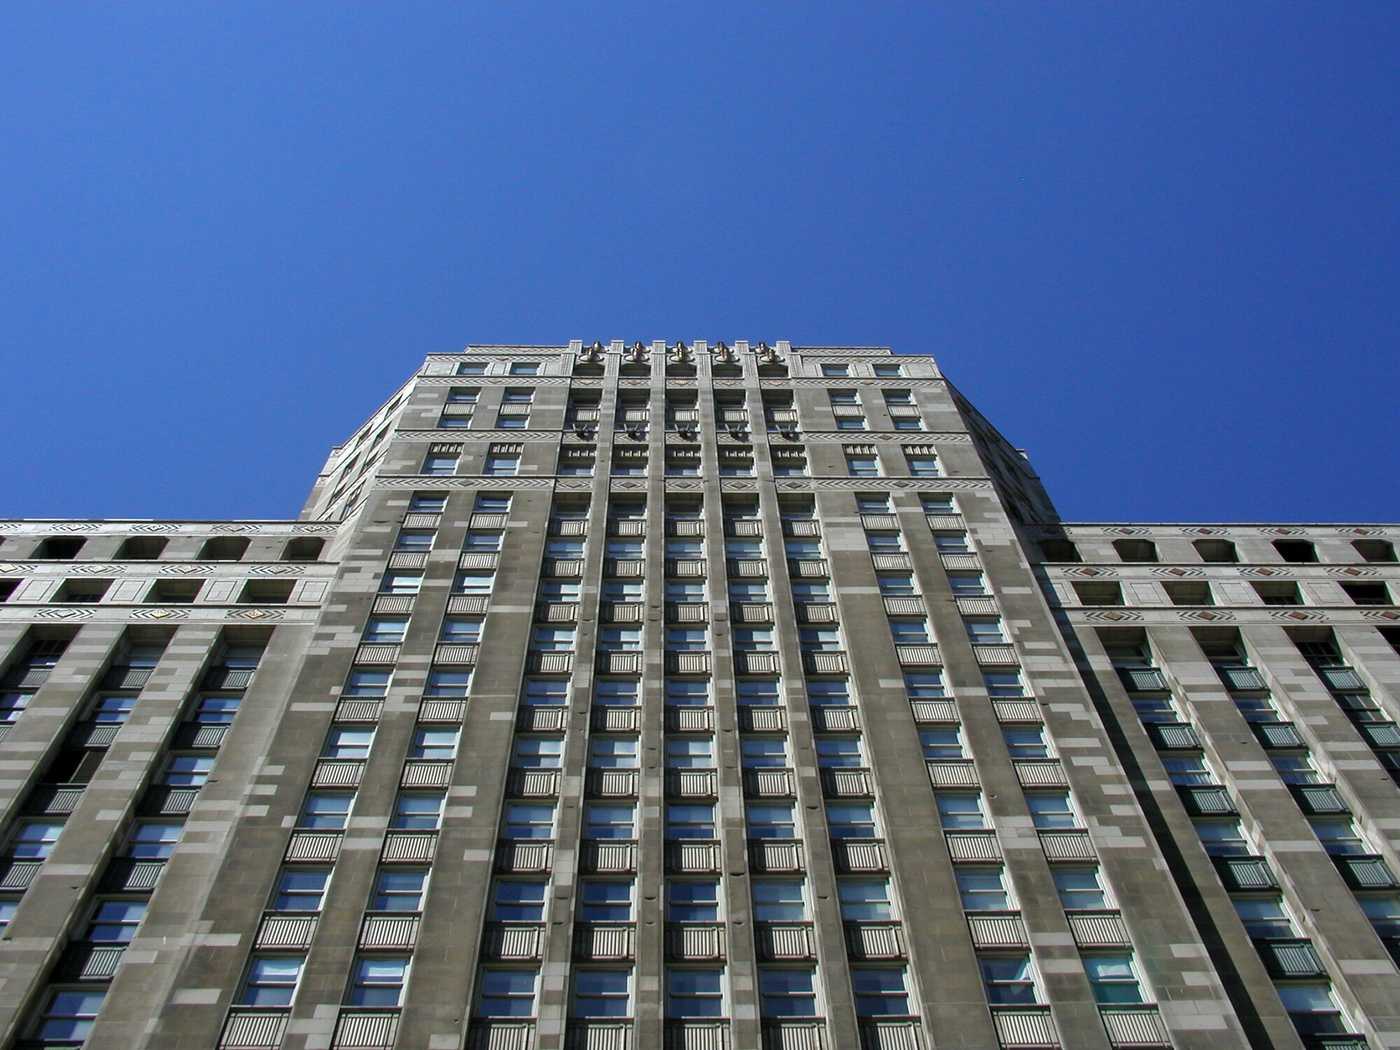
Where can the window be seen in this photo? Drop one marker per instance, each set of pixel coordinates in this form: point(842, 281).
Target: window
point(1189, 770)
point(1003, 683)
point(300, 889)
point(694, 992)
point(834, 369)
point(880, 990)
point(1375, 550)
point(1296, 768)
point(753, 640)
point(1222, 838)
point(360, 683)
point(764, 752)
point(770, 820)
point(388, 630)
point(1383, 909)
point(616, 692)
point(437, 463)
point(804, 591)
point(462, 395)
point(943, 742)
point(68, 1017)
point(967, 584)
point(399, 889)
point(910, 632)
point(552, 639)
point(888, 371)
point(1113, 977)
point(758, 692)
point(1008, 979)
point(787, 992)
point(271, 980)
point(687, 639)
point(378, 980)
point(851, 820)
point(1079, 888)
point(602, 993)
point(1367, 593)
point(688, 692)
point(819, 639)
point(1338, 835)
point(865, 900)
point(1026, 741)
point(960, 811)
point(828, 692)
point(438, 744)
point(502, 465)
point(414, 540)
point(609, 820)
point(924, 685)
point(690, 752)
point(401, 583)
point(884, 542)
point(1297, 551)
point(742, 550)
point(603, 900)
point(862, 466)
point(524, 368)
point(835, 752)
point(612, 752)
point(114, 922)
point(1278, 593)
point(617, 639)
point(525, 820)
point(12, 705)
point(692, 900)
point(854, 422)
point(1266, 918)
point(347, 742)
point(692, 591)
point(690, 821)
point(418, 811)
point(460, 631)
point(1051, 810)
point(985, 632)
point(326, 810)
point(922, 464)
point(447, 684)
point(188, 770)
point(476, 584)
point(951, 543)
point(507, 993)
point(565, 591)
point(152, 840)
point(112, 710)
point(779, 900)
point(1312, 1007)
point(471, 368)
point(518, 900)
point(624, 550)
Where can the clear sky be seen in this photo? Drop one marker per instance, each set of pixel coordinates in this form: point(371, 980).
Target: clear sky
point(1157, 244)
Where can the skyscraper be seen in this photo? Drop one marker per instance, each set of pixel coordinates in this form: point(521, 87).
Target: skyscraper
point(700, 697)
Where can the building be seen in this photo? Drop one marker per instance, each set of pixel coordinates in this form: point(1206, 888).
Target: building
point(699, 697)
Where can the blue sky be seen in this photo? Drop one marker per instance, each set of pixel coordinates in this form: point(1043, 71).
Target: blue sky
point(1157, 244)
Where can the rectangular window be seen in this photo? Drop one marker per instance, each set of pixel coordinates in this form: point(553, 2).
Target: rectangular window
point(1222, 838)
point(507, 993)
point(787, 992)
point(537, 752)
point(840, 752)
point(692, 900)
point(448, 684)
point(896, 584)
point(960, 811)
point(694, 992)
point(983, 889)
point(609, 820)
point(326, 810)
point(834, 369)
point(851, 820)
point(518, 900)
point(524, 368)
point(347, 742)
point(399, 889)
point(386, 630)
point(942, 742)
point(553, 639)
point(418, 811)
point(605, 900)
point(300, 889)
point(828, 692)
point(779, 900)
point(475, 584)
point(690, 821)
point(462, 395)
point(1009, 980)
point(114, 922)
point(271, 980)
point(771, 820)
point(1113, 978)
point(923, 465)
point(361, 682)
point(985, 632)
point(602, 993)
point(188, 770)
point(951, 543)
point(865, 900)
point(924, 685)
point(1003, 683)
point(471, 368)
point(438, 464)
point(378, 980)
point(619, 639)
point(499, 465)
point(1079, 888)
point(401, 583)
point(759, 692)
point(862, 466)
point(1026, 741)
point(613, 752)
point(690, 752)
point(616, 692)
point(525, 820)
point(764, 752)
point(910, 632)
point(460, 631)
point(967, 584)
point(1051, 810)
point(881, 991)
point(414, 540)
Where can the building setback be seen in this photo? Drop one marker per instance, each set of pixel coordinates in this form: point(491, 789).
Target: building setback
point(699, 697)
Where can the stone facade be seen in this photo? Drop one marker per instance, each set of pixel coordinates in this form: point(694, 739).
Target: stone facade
point(703, 697)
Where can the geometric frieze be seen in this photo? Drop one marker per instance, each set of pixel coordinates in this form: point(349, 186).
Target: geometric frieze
point(1178, 572)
